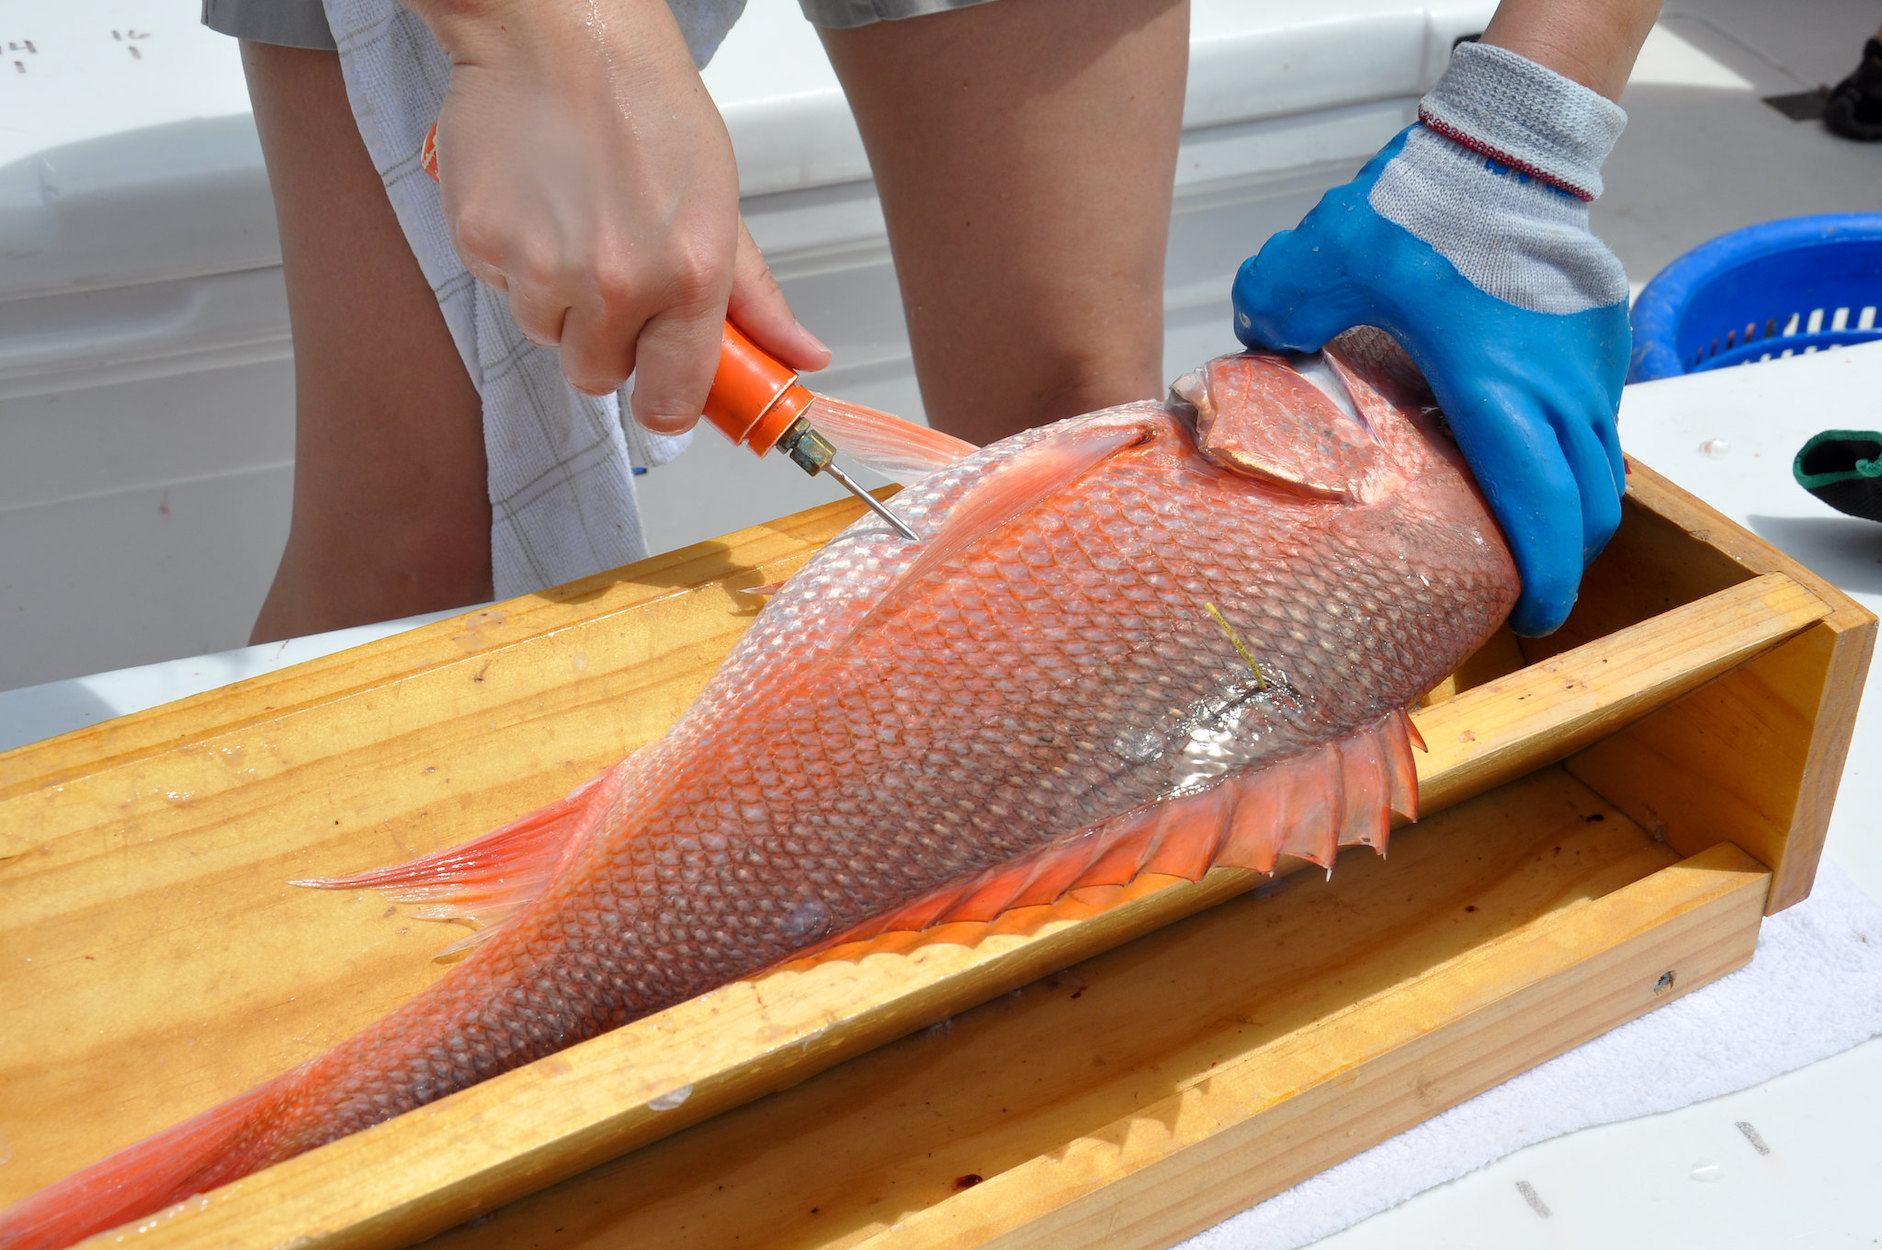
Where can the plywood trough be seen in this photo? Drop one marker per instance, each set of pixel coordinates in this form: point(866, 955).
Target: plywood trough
point(1609, 815)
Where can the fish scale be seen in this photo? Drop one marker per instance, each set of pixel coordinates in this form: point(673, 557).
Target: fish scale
point(1052, 693)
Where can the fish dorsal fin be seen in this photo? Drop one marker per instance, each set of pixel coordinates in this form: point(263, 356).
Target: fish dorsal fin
point(1257, 415)
point(889, 445)
point(488, 880)
point(1308, 805)
point(1067, 453)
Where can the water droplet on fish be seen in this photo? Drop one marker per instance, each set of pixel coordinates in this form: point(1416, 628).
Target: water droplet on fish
point(809, 919)
point(671, 1099)
point(1708, 1171)
point(1715, 448)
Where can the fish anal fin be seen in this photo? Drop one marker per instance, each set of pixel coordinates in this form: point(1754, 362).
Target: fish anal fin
point(1190, 831)
point(1308, 805)
point(489, 879)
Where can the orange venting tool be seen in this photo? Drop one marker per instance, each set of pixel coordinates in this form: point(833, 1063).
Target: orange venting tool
point(760, 404)
point(755, 401)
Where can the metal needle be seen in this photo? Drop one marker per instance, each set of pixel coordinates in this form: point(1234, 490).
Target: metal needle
point(872, 503)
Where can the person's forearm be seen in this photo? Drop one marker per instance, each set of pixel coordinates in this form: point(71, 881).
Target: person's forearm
point(1593, 42)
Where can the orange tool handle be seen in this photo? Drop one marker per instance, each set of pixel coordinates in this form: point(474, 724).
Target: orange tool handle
point(753, 400)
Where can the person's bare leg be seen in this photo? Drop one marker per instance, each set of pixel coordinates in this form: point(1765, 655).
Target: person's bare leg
point(391, 510)
point(1025, 151)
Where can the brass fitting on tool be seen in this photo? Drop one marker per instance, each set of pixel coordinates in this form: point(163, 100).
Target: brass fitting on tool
point(809, 450)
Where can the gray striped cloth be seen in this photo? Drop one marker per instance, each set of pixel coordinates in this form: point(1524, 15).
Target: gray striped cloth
point(561, 463)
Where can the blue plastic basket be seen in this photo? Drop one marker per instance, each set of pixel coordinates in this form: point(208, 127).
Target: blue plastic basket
point(1778, 289)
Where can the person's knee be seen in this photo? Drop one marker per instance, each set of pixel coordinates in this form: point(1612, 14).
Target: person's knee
point(442, 564)
point(394, 565)
point(1084, 378)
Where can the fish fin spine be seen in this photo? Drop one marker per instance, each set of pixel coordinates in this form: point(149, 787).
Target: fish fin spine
point(489, 879)
point(1340, 793)
point(761, 592)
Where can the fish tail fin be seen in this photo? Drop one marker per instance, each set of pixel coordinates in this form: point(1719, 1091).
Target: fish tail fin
point(220, 1145)
point(488, 880)
point(1341, 793)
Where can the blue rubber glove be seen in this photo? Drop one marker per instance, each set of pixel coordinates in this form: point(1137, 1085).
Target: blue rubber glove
point(1483, 268)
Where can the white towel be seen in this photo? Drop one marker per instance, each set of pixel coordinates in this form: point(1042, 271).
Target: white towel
point(561, 463)
point(1813, 989)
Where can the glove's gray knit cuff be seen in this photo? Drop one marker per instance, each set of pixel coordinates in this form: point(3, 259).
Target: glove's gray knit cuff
point(1520, 114)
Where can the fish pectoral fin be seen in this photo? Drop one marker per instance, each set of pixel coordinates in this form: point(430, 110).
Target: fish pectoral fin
point(891, 446)
point(1308, 805)
point(1067, 454)
point(491, 878)
point(761, 592)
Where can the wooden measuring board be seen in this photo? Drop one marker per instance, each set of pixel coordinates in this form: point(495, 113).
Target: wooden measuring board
point(1596, 843)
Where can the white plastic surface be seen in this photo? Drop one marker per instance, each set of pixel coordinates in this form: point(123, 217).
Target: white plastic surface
point(127, 153)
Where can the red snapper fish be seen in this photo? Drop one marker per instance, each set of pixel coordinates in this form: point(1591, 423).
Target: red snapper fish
point(1158, 638)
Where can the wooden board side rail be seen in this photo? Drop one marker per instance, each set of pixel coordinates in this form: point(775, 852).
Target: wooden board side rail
point(1755, 756)
point(1504, 728)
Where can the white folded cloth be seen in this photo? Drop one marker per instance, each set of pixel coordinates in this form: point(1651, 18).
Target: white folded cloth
point(1813, 989)
point(561, 463)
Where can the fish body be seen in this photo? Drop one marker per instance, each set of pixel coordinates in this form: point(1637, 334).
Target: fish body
point(1155, 638)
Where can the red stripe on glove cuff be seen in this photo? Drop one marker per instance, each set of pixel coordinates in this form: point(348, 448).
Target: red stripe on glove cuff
point(1501, 157)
